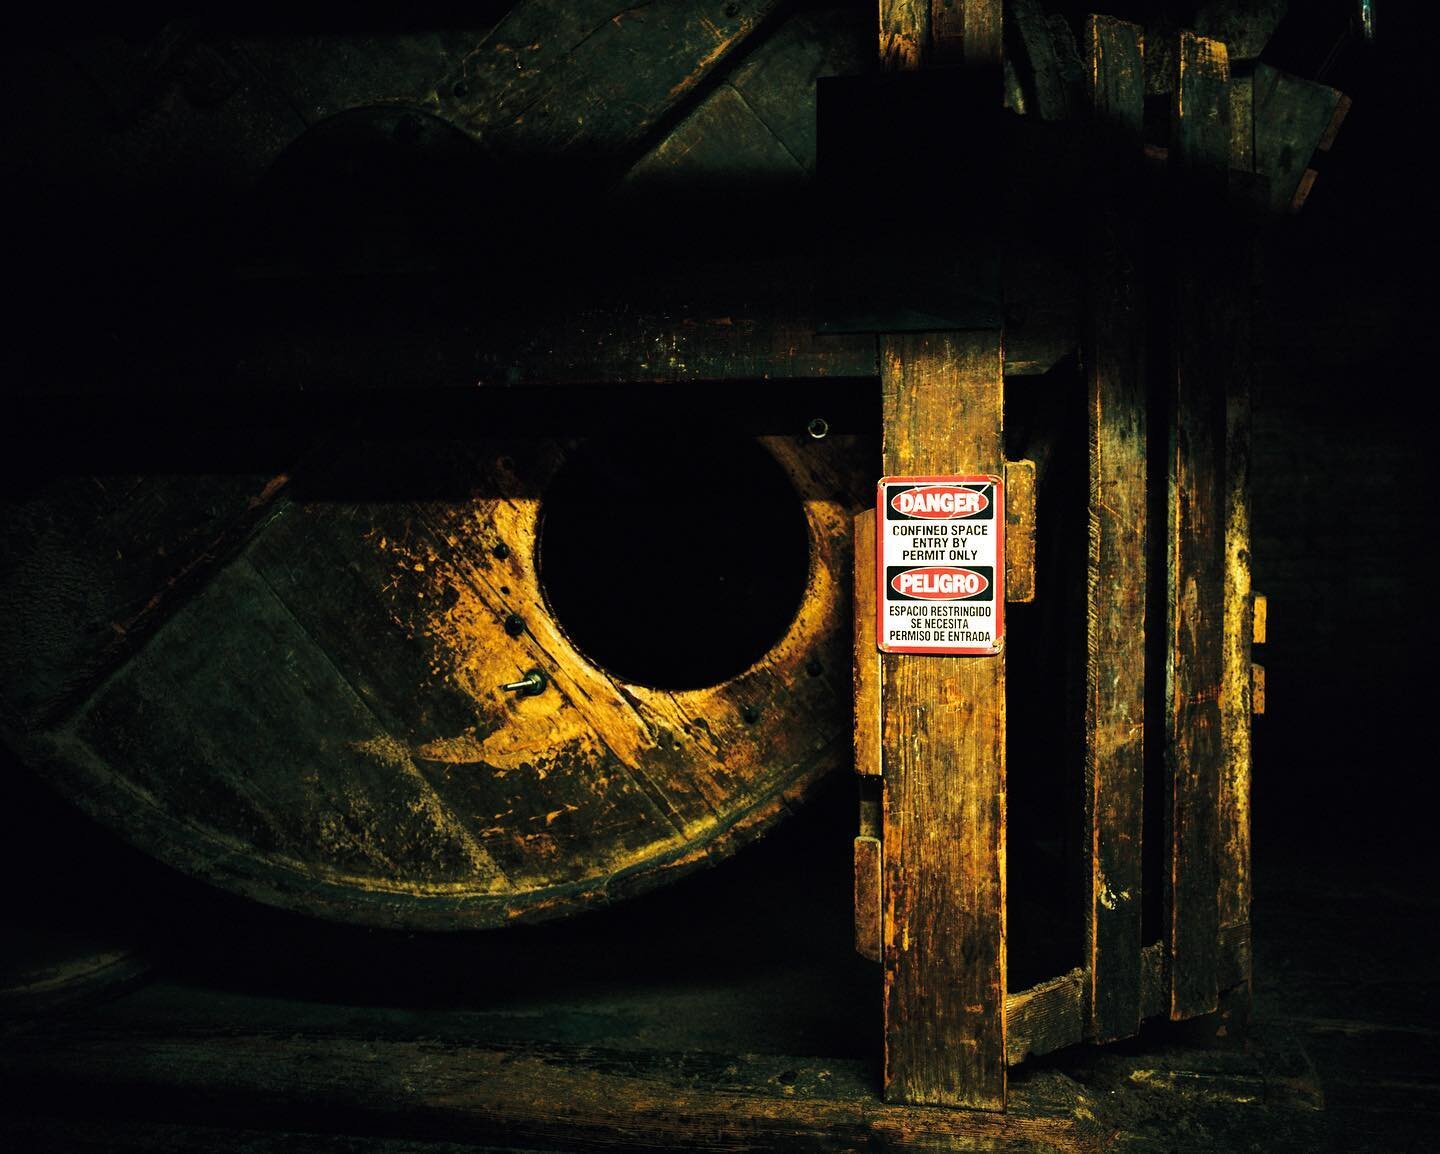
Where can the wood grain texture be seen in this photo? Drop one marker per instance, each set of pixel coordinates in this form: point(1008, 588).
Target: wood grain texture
point(588, 80)
point(1294, 118)
point(904, 29)
point(321, 727)
point(90, 566)
point(351, 1072)
point(1046, 1017)
point(943, 737)
point(1117, 574)
point(1020, 531)
point(1204, 306)
point(1048, 61)
point(867, 655)
point(868, 896)
point(984, 39)
point(1236, 686)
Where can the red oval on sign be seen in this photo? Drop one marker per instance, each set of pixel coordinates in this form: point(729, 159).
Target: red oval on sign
point(939, 502)
point(939, 583)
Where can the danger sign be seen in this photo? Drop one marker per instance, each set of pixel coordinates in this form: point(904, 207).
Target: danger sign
point(941, 564)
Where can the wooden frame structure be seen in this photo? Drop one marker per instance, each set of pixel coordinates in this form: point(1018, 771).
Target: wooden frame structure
point(1170, 615)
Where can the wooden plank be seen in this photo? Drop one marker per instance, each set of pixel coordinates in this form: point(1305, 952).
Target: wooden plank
point(90, 566)
point(1294, 118)
point(778, 79)
point(904, 27)
point(1259, 620)
point(1204, 303)
point(868, 889)
point(1048, 61)
point(1019, 530)
point(589, 79)
point(349, 1071)
point(1117, 574)
point(1257, 688)
point(867, 655)
point(1046, 1017)
point(1236, 687)
point(943, 740)
point(947, 32)
point(983, 31)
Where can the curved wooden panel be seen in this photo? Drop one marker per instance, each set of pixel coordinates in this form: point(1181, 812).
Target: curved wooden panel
point(322, 725)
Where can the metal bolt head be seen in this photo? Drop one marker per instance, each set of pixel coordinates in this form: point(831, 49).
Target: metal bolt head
point(501, 550)
point(514, 624)
point(751, 714)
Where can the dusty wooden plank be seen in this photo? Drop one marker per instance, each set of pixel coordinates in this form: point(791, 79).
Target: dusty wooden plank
point(1293, 118)
point(557, 79)
point(1236, 689)
point(947, 32)
point(90, 566)
point(983, 38)
point(1204, 301)
point(867, 655)
point(904, 27)
point(1117, 574)
point(328, 1080)
point(868, 912)
point(1046, 1017)
point(943, 737)
point(1154, 989)
point(1048, 61)
point(1257, 688)
point(1259, 619)
point(1019, 530)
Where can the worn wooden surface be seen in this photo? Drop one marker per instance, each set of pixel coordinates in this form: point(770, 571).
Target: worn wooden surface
point(320, 726)
point(91, 565)
point(586, 81)
point(868, 895)
point(1117, 574)
point(353, 1071)
point(1195, 579)
point(866, 670)
point(943, 738)
point(1020, 531)
point(1294, 118)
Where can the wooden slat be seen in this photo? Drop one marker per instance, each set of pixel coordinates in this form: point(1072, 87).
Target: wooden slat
point(943, 740)
point(1259, 623)
point(1257, 688)
point(1199, 159)
point(1019, 530)
point(904, 34)
point(868, 912)
point(1117, 573)
point(1235, 691)
point(1046, 1017)
point(867, 655)
point(1048, 60)
point(983, 26)
point(1294, 118)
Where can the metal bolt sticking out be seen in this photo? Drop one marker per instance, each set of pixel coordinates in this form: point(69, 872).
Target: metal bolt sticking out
point(531, 685)
point(818, 427)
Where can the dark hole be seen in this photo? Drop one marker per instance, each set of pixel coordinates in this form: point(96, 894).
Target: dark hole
point(675, 566)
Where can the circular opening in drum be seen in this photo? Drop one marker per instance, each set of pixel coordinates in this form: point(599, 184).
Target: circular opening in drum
point(673, 565)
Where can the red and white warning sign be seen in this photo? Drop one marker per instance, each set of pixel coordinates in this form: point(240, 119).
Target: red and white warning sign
point(941, 564)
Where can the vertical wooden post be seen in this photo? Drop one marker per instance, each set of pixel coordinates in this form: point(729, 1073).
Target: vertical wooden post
point(1196, 519)
point(943, 750)
point(1115, 627)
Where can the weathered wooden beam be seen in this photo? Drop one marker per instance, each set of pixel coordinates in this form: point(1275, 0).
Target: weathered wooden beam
point(1294, 119)
point(1236, 693)
point(1117, 573)
point(867, 656)
point(869, 913)
point(943, 740)
point(1195, 531)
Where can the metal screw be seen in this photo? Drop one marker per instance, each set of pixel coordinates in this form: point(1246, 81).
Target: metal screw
point(818, 427)
point(514, 624)
point(501, 550)
point(531, 685)
point(751, 714)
